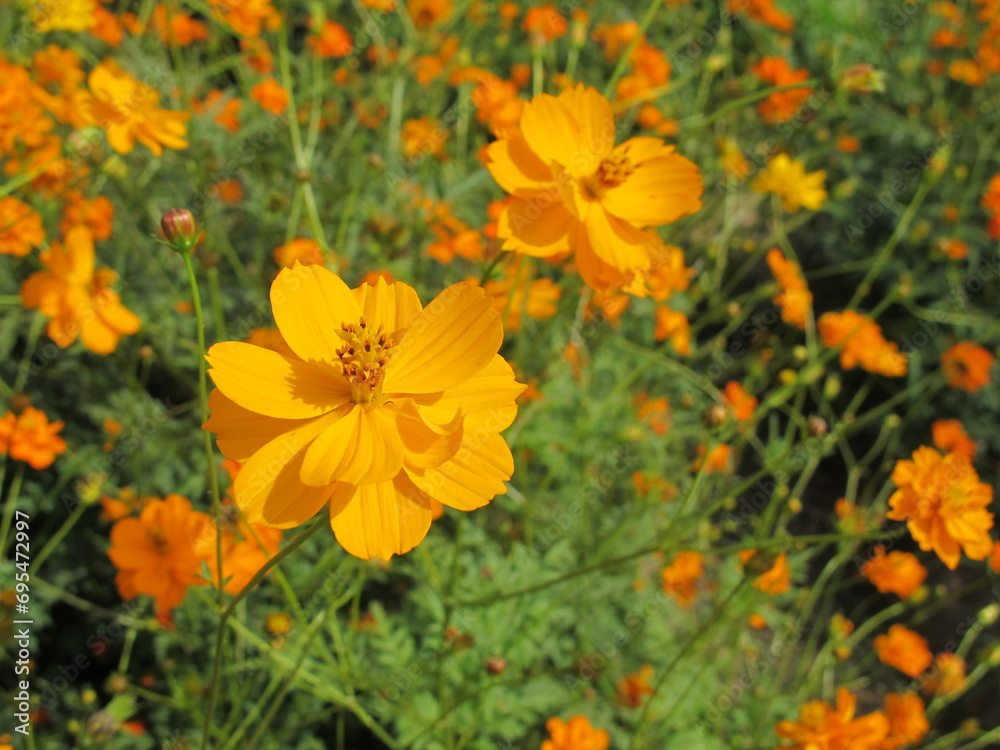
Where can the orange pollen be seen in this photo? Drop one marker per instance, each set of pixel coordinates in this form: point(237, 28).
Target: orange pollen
point(363, 358)
point(158, 539)
point(614, 170)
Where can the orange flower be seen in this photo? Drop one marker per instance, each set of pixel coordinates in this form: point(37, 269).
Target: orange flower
point(302, 249)
point(899, 573)
point(31, 438)
point(947, 676)
point(179, 28)
point(655, 412)
point(429, 12)
point(967, 366)
point(517, 293)
point(246, 548)
point(903, 649)
point(862, 342)
point(270, 95)
point(23, 120)
point(126, 504)
point(421, 137)
point(776, 580)
point(953, 248)
point(740, 403)
point(97, 214)
point(543, 24)
point(226, 111)
point(574, 190)
point(79, 301)
point(384, 405)
point(765, 12)
point(675, 326)
point(823, 727)
point(995, 558)
point(454, 238)
point(68, 15)
point(156, 553)
point(20, 227)
point(795, 299)
point(575, 734)
point(681, 576)
point(781, 106)
point(719, 461)
point(497, 103)
point(246, 17)
point(633, 688)
point(907, 722)
point(332, 40)
point(126, 109)
point(944, 505)
point(950, 436)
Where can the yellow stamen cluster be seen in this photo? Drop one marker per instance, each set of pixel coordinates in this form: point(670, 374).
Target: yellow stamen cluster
point(614, 170)
point(363, 358)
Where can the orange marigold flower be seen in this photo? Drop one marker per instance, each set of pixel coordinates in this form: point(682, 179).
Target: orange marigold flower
point(176, 27)
point(946, 676)
point(944, 505)
point(898, 573)
point(246, 548)
point(823, 727)
point(795, 299)
point(574, 190)
point(518, 294)
point(78, 299)
point(332, 40)
point(680, 578)
point(385, 405)
point(156, 554)
point(781, 106)
point(775, 580)
point(953, 248)
point(270, 95)
point(498, 104)
point(907, 722)
point(127, 111)
point(675, 326)
point(422, 136)
point(950, 436)
point(97, 214)
point(55, 65)
point(20, 227)
point(429, 12)
point(302, 249)
point(904, 649)
point(655, 412)
point(258, 55)
point(863, 344)
point(31, 438)
point(247, 17)
point(967, 366)
point(848, 144)
point(740, 403)
point(543, 23)
point(633, 688)
point(575, 734)
point(765, 12)
point(719, 460)
point(991, 198)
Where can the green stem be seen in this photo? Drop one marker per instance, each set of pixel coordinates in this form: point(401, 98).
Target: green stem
point(70, 522)
point(9, 506)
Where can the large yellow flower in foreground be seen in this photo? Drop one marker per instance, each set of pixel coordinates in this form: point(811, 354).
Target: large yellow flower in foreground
point(575, 190)
point(383, 406)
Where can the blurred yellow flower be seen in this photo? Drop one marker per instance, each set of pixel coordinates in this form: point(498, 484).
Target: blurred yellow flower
point(789, 181)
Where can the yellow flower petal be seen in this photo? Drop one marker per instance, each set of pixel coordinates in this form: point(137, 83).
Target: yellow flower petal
point(486, 400)
point(454, 337)
point(473, 477)
point(539, 226)
point(616, 242)
point(361, 447)
point(393, 306)
point(240, 432)
point(267, 487)
point(380, 520)
point(268, 383)
point(425, 444)
point(517, 168)
point(659, 191)
point(575, 130)
point(309, 304)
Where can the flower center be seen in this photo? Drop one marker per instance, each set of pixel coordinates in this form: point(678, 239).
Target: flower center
point(363, 358)
point(611, 172)
point(158, 539)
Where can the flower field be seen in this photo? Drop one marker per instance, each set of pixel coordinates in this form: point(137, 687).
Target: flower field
point(492, 375)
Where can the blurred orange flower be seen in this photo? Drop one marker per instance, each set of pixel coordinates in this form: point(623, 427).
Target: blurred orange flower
point(674, 325)
point(823, 727)
point(904, 649)
point(332, 40)
point(944, 505)
point(946, 676)
point(863, 344)
point(765, 12)
point(543, 24)
point(156, 553)
point(950, 436)
point(31, 438)
point(741, 404)
point(518, 293)
point(680, 578)
point(907, 722)
point(575, 734)
point(302, 249)
point(781, 106)
point(633, 688)
point(78, 299)
point(899, 573)
point(20, 227)
point(795, 299)
point(270, 95)
point(967, 366)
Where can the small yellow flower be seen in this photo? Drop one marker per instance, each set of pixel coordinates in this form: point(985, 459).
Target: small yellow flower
point(789, 181)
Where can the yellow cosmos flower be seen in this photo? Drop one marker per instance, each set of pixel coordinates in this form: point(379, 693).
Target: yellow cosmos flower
point(382, 406)
point(573, 189)
point(68, 15)
point(789, 181)
point(126, 109)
